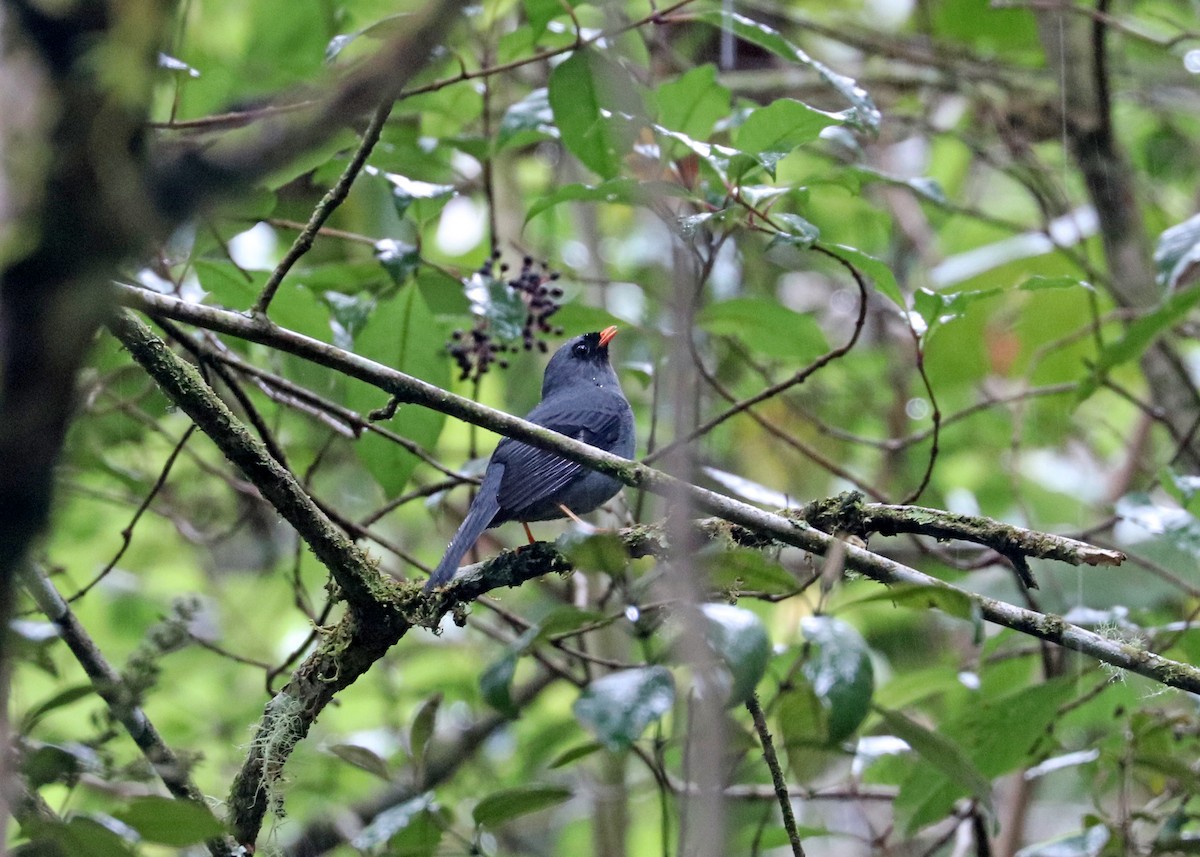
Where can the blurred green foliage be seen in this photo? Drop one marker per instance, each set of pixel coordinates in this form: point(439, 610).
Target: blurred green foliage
point(703, 142)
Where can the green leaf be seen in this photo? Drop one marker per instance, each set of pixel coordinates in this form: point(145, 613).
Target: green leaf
point(363, 759)
point(380, 29)
point(499, 303)
point(393, 820)
point(583, 88)
point(349, 314)
point(766, 327)
point(495, 684)
point(59, 700)
point(401, 333)
point(923, 186)
point(771, 133)
point(1184, 487)
point(566, 619)
point(529, 120)
point(1164, 524)
point(778, 837)
point(81, 836)
point(693, 103)
point(506, 805)
point(999, 743)
point(423, 725)
point(400, 260)
point(50, 763)
point(879, 273)
point(744, 569)
point(1039, 283)
point(802, 721)
point(839, 669)
point(618, 707)
point(227, 286)
point(1090, 843)
point(716, 158)
point(863, 112)
point(574, 754)
point(615, 191)
point(311, 158)
point(1138, 337)
point(941, 308)
point(945, 756)
point(740, 640)
point(1177, 254)
point(594, 551)
point(406, 192)
point(797, 231)
point(917, 596)
point(170, 822)
point(295, 307)
point(541, 12)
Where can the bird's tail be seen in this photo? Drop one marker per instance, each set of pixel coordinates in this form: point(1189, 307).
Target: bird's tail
point(479, 517)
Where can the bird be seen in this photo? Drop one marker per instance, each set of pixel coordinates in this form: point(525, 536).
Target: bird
point(582, 399)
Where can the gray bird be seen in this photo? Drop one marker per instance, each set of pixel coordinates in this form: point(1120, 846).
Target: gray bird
point(582, 399)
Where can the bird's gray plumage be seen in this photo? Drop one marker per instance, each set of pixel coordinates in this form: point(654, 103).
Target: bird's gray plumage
point(582, 399)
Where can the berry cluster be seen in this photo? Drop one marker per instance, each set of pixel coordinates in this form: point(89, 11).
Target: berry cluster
point(476, 350)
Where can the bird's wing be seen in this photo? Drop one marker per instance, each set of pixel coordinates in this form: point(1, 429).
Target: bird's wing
point(532, 474)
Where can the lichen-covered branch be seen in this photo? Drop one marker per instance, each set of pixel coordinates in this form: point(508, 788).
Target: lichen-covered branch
point(359, 579)
point(848, 514)
point(385, 611)
point(109, 687)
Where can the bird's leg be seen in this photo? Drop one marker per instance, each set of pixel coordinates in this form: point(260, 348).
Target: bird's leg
point(528, 532)
point(570, 514)
point(583, 525)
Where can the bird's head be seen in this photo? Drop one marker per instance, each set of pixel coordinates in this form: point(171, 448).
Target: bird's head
point(582, 360)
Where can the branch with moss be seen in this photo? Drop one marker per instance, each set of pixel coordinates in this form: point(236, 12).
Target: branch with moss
point(382, 612)
point(121, 701)
point(847, 514)
point(836, 515)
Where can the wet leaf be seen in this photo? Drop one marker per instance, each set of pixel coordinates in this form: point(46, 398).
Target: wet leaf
point(618, 707)
point(840, 672)
point(588, 94)
point(740, 640)
point(863, 112)
point(1177, 254)
point(392, 821)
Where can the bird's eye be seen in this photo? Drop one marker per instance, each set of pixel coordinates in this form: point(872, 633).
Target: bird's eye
point(581, 350)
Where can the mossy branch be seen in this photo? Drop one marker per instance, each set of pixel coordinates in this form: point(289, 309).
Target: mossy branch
point(383, 611)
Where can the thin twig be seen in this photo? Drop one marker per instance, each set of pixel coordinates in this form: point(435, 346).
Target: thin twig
point(772, 760)
point(120, 700)
point(796, 379)
point(328, 204)
point(127, 532)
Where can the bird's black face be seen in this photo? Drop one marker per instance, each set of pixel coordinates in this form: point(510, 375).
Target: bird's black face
point(583, 360)
point(591, 347)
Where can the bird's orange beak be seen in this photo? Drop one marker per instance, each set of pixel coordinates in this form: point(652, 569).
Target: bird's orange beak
point(607, 334)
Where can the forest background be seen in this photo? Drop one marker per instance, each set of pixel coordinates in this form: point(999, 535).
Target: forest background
point(909, 564)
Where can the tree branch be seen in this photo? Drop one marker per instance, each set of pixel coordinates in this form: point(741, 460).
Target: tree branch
point(109, 686)
point(188, 174)
point(1076, 51)
point(355, 643)
point(359, 579)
